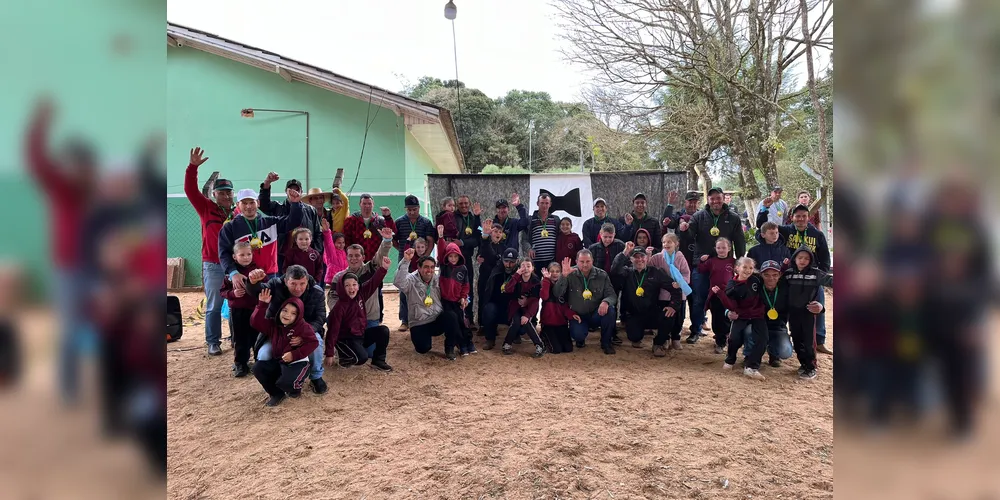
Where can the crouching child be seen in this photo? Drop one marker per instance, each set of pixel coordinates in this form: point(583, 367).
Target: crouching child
point(284, 375)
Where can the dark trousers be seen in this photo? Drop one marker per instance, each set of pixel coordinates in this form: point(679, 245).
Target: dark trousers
point(579, 330)
point(278, 377)
point(244, 335)
point(758, 328)
point(675, 332)
point(960, 371)
point(802, 325)
point(446, 324)
point(517, 329)
point(556, 339)
point(720, 322)
point(493, 314)
point(465, 333)
point(638, 323)
point(354, 350)
point(381, 305)
point(10, 355)
point(469, 310)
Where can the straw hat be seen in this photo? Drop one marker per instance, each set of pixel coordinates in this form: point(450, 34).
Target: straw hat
point(317, 192)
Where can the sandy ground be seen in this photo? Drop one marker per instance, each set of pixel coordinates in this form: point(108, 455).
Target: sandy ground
point(579, 425)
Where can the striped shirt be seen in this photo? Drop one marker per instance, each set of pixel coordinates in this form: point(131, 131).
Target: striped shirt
point(423, 227)
point(544, 247)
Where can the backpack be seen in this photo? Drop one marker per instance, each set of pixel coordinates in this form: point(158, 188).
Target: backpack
point(175, 324)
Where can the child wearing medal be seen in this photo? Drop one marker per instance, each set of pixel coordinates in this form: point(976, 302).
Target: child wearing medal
point(745, 304)
point(719, 269)
point(555, 313)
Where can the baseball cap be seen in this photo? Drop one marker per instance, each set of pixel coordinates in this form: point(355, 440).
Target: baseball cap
point(776, 188)
point(293, 183)
point(692, 195)
point(502, 203)
point(245, 194)
point(223, 185)
point(411, 201)
point(639, 196)
point(510, 254)
point(600, 200)
point(366, 196)
point(770, 264)
point(800, 207)
point(715, 190)
point(637, 251)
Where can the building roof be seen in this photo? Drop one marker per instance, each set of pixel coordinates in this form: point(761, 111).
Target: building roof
point(431, 125)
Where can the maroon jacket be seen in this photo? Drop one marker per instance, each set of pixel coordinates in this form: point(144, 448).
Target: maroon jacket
point(555, 312)
point(446, 219)
point(530, 289)
point(249, 299)
point(744, 297)
point(309, 259)
point(454, 280)
point(348, 318)
point(567, 245)
point(720, 271)
point(280, 335)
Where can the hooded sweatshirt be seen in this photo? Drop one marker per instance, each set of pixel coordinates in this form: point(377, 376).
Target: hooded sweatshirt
point(764, 251)
point(744, 297)
point(416, 291)
point(555, 312)
point(454, 278)
point(652, 279)
point(348, 317)
point(518, 288)
point(648, 239)
point(719, 271)
point(804, 284)
point(446, 219)
point(647, 222)
point(567, 245)
point(280, 335)
point(812, 238)
point(249, 299)
point(309, 259)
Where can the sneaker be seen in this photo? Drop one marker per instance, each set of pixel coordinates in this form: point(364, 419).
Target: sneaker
point(508, 349)
point(465, 353)
point(637, 345)
point(381, 366)
point(616, 341)
point(609, 349)
point(319, 385)
point(774, 362)
point(693, 338)
point(822, 349)
point(241, 370)
point(752, 373)
point(462, 351)
point(295, 394)
point(659, 351)
point(539, 350)
point(490, 344)
point(214, 349)
point(807, 374)
point(727, 366)
point(403, 327)
point(450, 354)
point(675, 345)
point(580, 344)
point(719, 349)
point(471, 349)
point(275, 400)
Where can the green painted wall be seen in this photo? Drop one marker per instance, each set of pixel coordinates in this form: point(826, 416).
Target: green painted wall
point(418, 165)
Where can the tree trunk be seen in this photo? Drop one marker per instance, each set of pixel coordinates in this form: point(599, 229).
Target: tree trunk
point(822, 163)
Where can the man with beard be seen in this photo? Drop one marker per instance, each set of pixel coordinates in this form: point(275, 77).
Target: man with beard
point(543, 228)
point(641, 285)
point(427, 317)
point(410, 228)
point(495, 299)
point(591, 297)
point(705, 227)
point(592, 227)
point(638, 219)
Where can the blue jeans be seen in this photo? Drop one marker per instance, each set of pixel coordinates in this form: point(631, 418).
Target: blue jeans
point(315, 358)
point(699, 294)
point(404, 312)
point(212, 277)
point(821, 318)
point(372, 324)
point(75, 332)
point(578, 330)
point(493, 314)
point(779, 344)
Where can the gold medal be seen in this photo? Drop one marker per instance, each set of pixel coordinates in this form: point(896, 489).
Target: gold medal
point(367, 233)
point(413, 235)
point(772, 314)
point(256, 243)
point(587, 295)
point(504, 237)
point(639, 292)
point(468, 230)
point(714, 231)
point(428, 301)
point(545, 233)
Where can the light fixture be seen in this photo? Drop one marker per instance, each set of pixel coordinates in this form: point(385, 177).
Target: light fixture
point(450, 10)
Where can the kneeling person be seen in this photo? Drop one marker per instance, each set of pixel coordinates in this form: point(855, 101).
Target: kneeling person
point(641, 285)
point(524, 286)
point(285, 374)
point(591, 297)
point(347, 324)
point(423, 297)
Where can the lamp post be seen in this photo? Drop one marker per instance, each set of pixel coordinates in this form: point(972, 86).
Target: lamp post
point(531, 128)
point(450, 12)
point(249, 113)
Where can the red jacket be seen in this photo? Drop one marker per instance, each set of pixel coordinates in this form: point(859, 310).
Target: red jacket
point(447, 219)
point(354, 232)
point(348, 318)
point(530, 290)
point(744, 297)
point(249, 299)
point(309, 259)
point(719, 271)
point(454, 280)
point(555, 312)
point(280, 335)
point(567, 245)
point(211, 215)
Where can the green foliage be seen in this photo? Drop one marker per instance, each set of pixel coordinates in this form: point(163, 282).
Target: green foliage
point(494, 169)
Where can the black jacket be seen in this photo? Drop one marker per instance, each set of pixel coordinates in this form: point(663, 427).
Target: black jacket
point(814, 239)
point(804, 285)
point(470, 242)
point(310, 219)
point(729, 226)
point(762, 252)
point(490, 252)
point(493, 294)
point(592, 230)
point(655, 280)
point(616, 247)
point(312, 301)
point(647, 222)
point(779, 299)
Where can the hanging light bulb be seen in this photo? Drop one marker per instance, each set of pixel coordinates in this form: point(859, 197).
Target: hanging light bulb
point(450, 10)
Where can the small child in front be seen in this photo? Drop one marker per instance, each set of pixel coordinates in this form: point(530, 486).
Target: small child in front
point(454, 284)
point(283, 375)
point(745, 306)
point(525, 286)
point(346, 325)
point(555, 313)
point(719, 268)
point(242, 302)
point(301, 253)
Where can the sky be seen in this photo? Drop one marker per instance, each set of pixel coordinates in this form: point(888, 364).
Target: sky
point(502, 45)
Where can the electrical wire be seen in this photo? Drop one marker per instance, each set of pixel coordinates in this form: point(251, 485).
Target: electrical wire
point(364, 141)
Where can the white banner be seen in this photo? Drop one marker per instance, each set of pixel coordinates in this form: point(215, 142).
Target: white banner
point(571, 196)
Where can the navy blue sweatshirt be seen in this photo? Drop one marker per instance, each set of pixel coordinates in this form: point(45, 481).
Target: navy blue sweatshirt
point(776, 251)
point(812, 238)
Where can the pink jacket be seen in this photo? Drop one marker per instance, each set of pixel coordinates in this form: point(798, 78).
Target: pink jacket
point(657, 260)
point(336, 260)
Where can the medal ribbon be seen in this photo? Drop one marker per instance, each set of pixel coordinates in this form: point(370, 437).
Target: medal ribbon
point(715, 219)
point(586, 285)
point(643, 278)
point(252, 225)
point(770, 301)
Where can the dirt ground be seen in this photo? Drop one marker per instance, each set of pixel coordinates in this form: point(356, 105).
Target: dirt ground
point(579, 425)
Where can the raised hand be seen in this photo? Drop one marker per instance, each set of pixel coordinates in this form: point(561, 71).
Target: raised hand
point(196, 158)
point(386, 263)
point(487, 225)
point(325, 224)
point(767, 202)
point(408, 254)
point(265, 296)
point(386, 233)
point(441, 231)
point(293, 196)
point(271, 177)
point(545, 273)
point(515, 199)
point(683, 226)
point(666, 222)
point(385, 212)
point(672, 197)
point(477, 209)
point(566, 267)
point(649, 250)
point(628, 219)
point(629, 246)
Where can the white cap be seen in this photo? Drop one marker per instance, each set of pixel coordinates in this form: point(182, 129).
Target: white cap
point(244, 194)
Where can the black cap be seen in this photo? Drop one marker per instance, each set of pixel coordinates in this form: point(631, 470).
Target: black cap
point(692, 195)
point(411, 201)
point(510, 254)
point(294, 183)
point(800, 207)
point(502, 203)
point(639, 196)
point(776, 188)
point(715, 190)
point(366, 196)
point(222, 185)
point(637, 251)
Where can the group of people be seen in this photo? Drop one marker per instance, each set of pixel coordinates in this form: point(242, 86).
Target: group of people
point(281, 272)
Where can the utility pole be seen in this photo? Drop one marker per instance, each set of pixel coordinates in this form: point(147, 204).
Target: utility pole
point(531, 128)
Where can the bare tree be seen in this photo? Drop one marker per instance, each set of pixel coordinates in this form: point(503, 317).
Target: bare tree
point(822, 162)
point(733, 55)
